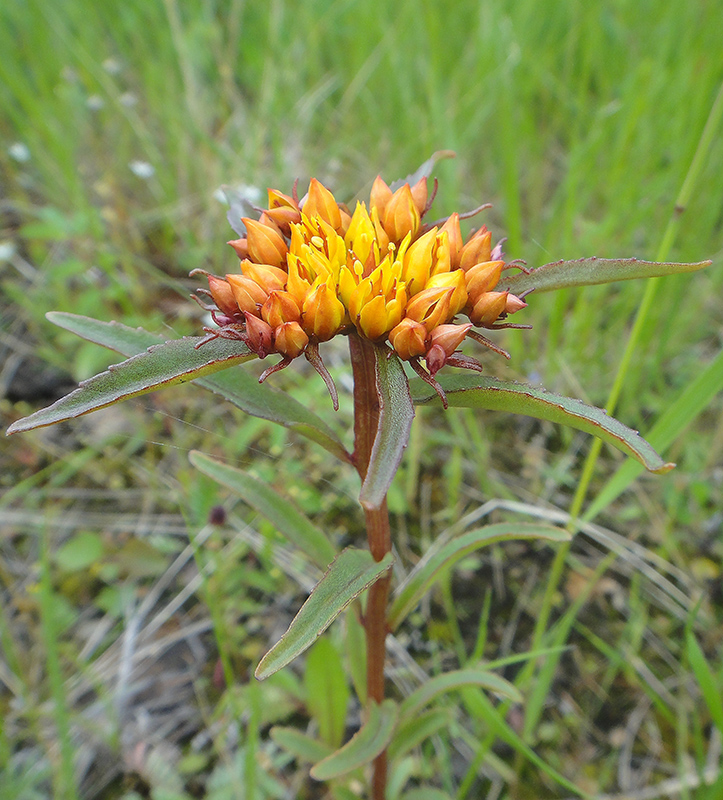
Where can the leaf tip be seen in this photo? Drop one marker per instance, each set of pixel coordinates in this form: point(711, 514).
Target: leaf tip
point(667, 467)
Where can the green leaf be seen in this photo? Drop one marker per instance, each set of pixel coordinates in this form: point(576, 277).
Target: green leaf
point(290, 522)
point(396, 413)
point(440, 558)
point(351, 572)
point(364, 746)
point(301, 746)
point(499, 726)
point(327, 693)
point(694, 398)
point(709, 687)
point(236, 386)
point(591, 271)
point(414, 731)
point(80, 551)
point(474, 391)
point(450, 681)
point(162, 365)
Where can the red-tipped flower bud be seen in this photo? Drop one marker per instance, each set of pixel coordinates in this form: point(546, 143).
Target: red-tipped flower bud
point(260, 336)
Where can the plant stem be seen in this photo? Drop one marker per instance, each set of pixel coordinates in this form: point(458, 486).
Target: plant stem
point(366, 420)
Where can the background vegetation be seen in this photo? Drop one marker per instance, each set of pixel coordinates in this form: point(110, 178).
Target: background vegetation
point(131, 618)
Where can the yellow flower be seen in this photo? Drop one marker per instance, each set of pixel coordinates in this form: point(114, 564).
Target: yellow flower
point(311, 270)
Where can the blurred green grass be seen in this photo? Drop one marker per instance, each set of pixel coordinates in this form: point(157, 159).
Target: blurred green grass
point(578, 121)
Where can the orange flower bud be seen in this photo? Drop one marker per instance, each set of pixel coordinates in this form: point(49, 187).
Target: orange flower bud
point(380, 195)
point(323, 314)
point(290, 339)
point(451, 226)
point(420, 195)
point(284, 217)
point(449, 337)
point(320, 202)
point(223, 296)
point(477, 250)
point(260, 336)
point(401, 215)
point(455, 281)
point(249, 296)
point(408, 339)
point(488, 308)
point(483, 278)
point(265, 244)
point(269, 278)
point(430, 307)
point(514, 303)
point(280, 307)
point(297, 285)
point(241, 246)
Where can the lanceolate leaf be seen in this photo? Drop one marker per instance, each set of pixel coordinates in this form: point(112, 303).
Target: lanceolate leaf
point(396, 413)
point(590, 271)
point(236, 386)
point(160, 366)
point(364, 746)
point(438, 560)
point(351, 572)
point(449, 681)
point(288, 520)
point(472, 391)
point(299, 744)
point(414, 731)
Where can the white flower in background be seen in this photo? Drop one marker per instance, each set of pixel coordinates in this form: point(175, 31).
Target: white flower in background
point(19, 151)
point(142, 169)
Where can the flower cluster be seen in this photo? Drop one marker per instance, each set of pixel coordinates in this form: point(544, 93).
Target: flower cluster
point(311, 269)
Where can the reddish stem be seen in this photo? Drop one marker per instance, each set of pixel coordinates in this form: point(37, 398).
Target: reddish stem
point(366, 420)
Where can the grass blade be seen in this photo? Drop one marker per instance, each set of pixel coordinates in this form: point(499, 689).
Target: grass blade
point(436, 561)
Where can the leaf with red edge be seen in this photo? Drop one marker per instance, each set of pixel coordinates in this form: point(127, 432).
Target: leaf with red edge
point(591, 271)
point(475, 391)
point(396, 413)
point(237, 386)
point(166, 364)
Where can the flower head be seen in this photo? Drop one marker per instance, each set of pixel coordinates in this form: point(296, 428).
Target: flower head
point(311, 269)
